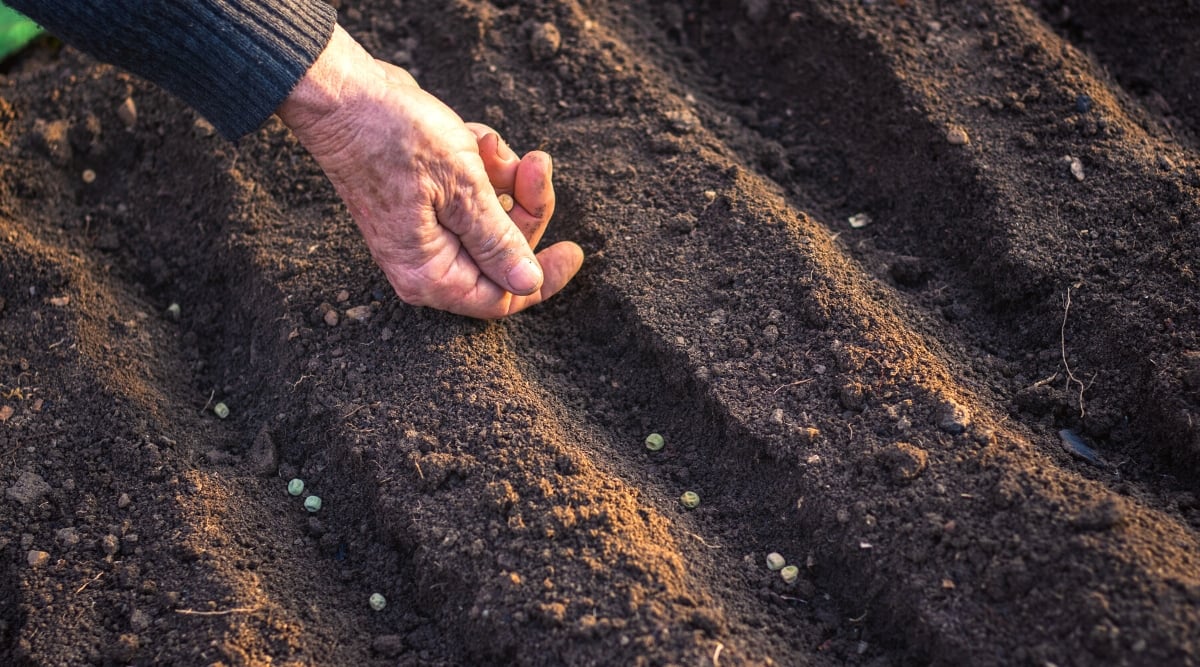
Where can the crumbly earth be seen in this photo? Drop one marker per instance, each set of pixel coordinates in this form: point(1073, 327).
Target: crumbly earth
point(881, 403)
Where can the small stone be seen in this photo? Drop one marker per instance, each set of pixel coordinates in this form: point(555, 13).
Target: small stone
point(174, 311)
point(359, 314)
point(123, 501)
point(544, 41)
point(331, 318)
point(777, 416)
point(127, 112)
point(343, 296)
point(110, 545)
point(37, 558)
point(952, 417)
point(683, 121)
point(859, 220)
point(957, 136)
point(67, 537)
point(386, 334)
point(6, 412)
point(1083, 103)
point(263, 455)
point(60, 301)
point(28, 489)
point(1076, 167)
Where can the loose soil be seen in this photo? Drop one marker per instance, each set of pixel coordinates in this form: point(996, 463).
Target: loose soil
point(880, 404)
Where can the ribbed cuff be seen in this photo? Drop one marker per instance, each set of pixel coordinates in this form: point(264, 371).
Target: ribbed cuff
point(234, 61)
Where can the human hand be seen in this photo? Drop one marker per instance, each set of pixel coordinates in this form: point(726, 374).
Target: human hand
point(422, 186)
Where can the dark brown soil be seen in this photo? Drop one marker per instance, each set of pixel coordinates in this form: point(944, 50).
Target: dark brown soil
point(882, 405)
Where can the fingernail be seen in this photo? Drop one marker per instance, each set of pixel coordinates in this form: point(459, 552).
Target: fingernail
point(525, 277)
point(503, 151)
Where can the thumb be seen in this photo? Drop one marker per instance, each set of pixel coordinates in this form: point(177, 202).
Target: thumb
point(491, 238)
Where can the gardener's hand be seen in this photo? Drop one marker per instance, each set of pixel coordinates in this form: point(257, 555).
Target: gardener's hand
point(422, 186)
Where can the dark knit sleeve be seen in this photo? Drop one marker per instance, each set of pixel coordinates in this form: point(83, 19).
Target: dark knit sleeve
point(234, 61)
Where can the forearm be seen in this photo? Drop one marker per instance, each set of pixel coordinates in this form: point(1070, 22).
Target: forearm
point(234, 61)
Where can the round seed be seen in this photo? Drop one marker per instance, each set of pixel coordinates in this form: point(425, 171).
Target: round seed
point(312, 503)
point(88, 176)
point(506, 202)
point(790, 573)
point(174, 311)
point(296, 487)
point(690, 499)
point(377, 601)
point(221, 410)
point(655, 442)
point(775, 561)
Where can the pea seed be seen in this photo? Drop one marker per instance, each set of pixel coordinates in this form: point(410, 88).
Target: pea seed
point(655, 442)
point(790, 573)
point(775, 561)
point(377, 601)
point(312, 503)
point(174, 311)
point(221, 410)
point(506, 202)
point(296, 487)
point(690, 499)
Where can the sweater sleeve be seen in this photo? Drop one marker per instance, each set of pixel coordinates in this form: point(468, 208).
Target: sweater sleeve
point(234, 61)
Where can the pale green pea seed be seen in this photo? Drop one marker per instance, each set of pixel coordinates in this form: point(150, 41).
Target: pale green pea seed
point(775, 561)
point(654, 442)
point(174, 311)
point(690, 499)
point(296, 487)
point(221, 410)
point(312, 503)
point(377, 601)
point(790, 573)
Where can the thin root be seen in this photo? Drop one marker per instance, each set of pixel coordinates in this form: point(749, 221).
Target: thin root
point(1062, 339)
point(223, 612)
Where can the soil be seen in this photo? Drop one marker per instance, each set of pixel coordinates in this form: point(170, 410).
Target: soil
point(882, 404)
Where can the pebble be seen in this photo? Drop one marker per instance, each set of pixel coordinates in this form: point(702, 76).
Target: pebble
point(952, 417)
point(331, 318)
point(37, 558)
point(1083, 103)
point(359, 313)
point(28, 489)
point(1078, 448)
point(859, 220)
point(263, 455)
point(386, 334)
point(343, 296)
point(127, 112)
point(777, 416)
point(110, 545)
point(544, 41)
point(123, 501)
point(1075, 165)
point(67, 537)
point(957, 136)
point(6, 412)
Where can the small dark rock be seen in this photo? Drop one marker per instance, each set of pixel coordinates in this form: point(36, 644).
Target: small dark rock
point(1083, 103)
point(952, 417)
point(263, 455)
